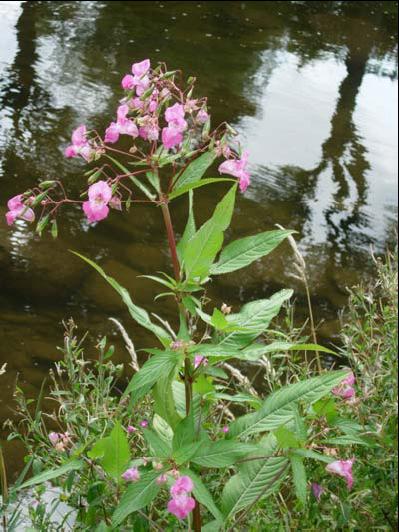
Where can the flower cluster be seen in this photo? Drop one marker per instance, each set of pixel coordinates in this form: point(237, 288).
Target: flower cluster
point(181, 503)
point(165, 125)
point(19, 208)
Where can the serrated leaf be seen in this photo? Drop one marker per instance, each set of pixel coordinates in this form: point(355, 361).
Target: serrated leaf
point(160, 448)
point(260, 479)
point(254, 319)
point(203, 247)
point(164, 403)
point(184, 432)
point(184, 454)
point(242, 252)
point(299, 478)
point(278, 408)
point(140, 315)
point(286, 438)
point(222, 453)
point(113, 452)
point(195, 170)
point(190, 229)
point(160, 365)
point(50, 474)
point(137, 496)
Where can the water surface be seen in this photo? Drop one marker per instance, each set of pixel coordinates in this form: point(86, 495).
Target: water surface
point(311, 86)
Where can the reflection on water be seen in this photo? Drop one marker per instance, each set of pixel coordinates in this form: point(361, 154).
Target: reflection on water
point(310, 85)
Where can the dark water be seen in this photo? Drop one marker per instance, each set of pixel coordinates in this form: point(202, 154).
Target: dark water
point(310, 85)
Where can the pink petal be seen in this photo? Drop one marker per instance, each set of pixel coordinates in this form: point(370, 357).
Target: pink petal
point(11, 216)
point(112, 133)
point(182, 485)
point(79, 136)
point(342, 468)
point(100, 192)
point(70, 151)
point(181, 506)
point(122, 112)
point(95, 215)
point(15, 202)
point(139, 69)
point(127, 82)
point(171, 137)
point(175, 112)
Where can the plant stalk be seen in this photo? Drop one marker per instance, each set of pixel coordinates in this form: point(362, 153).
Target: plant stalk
point(187, 369)
point(171, 239)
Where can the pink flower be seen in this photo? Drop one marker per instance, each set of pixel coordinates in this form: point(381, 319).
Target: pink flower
point(171, 137)
point(342, 468)
point(130, 429)
point(174, 116)
point(317, 490)
point(96, 209)
point(127, 82)
point(237, 168)
point(17, 209)
point(131, 475)
point(226, 430)
point(144, 424)
point(53, 437)
point(149, 129)
point(345, 390)
point(200, 360)
point(139, 69)
point(136, 103)
point(80, 145)
point(182, 485)
point(122, 126)
point(181, 506)
point(162, 479)
point(202, 116)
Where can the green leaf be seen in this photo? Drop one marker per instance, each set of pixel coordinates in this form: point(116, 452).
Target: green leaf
point(185, 454)
point(299, 478)
point(244, 251)
point(138, 314)
point(307, 453)
point(195, 170)
point(163, 429)
point(278, 408)
point(218, 320)
point(137, 496)
point(160, 448)
point(164, 403)
point(184, 433)
point(160, 365)
point(286, 438)
point(113, 452)
point(190, 186)
point(348, 440)
point(50, 474)
point(203, 247)
point(202, 494)
point(154, 180)
point(259, 479)
point(222, 453)
point(255, 352)
point(254, 318)
point(190, 229)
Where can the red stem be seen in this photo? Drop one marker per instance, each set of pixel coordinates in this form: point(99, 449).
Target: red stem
point(171, 239)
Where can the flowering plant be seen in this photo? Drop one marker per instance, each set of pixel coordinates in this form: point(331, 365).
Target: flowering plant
point(168, 148)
